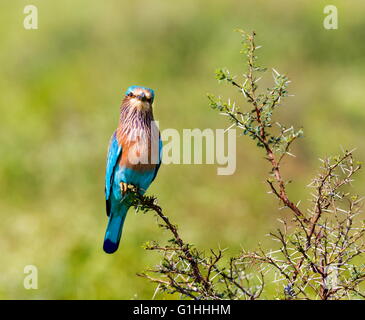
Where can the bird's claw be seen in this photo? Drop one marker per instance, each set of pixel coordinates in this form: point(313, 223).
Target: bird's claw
point(124, 187)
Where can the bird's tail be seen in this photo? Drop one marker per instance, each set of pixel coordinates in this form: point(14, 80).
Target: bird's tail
point(114, 229)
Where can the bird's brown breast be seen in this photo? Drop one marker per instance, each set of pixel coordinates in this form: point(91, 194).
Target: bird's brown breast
point(136, 154)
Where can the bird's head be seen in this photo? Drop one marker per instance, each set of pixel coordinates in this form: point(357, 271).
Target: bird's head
point(139, 97)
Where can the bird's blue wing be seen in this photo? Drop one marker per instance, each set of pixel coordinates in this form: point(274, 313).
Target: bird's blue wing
point(160, 158)
point(114, 152)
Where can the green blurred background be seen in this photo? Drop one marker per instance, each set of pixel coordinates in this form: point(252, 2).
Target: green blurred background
point(61, 87)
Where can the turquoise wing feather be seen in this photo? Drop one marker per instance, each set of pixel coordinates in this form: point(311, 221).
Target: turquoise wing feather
point(114, 152)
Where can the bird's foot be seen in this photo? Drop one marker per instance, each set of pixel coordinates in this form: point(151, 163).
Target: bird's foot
point(124, 187)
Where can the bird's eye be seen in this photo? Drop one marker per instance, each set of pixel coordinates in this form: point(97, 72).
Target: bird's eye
point(130, 94)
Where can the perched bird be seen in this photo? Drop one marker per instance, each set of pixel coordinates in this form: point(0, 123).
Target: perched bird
point(134, 157)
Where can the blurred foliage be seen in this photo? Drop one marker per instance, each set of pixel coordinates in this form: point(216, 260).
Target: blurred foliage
point(61, 87)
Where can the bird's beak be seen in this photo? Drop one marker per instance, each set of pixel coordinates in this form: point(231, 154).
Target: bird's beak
point(142, 97)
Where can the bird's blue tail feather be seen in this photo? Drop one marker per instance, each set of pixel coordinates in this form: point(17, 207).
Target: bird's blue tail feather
point(114, 229)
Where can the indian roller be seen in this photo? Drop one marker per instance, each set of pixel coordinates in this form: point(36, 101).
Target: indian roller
point(133, 160)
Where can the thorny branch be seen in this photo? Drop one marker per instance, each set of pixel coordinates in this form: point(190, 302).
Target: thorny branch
point(317, 256)
point(189, 272)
